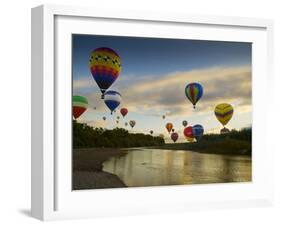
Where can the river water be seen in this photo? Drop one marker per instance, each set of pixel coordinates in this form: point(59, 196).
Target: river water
point(154, 167)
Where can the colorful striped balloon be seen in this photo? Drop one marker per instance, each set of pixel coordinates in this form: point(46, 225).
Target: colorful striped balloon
point(79, 106)
point(112, 99)
point(194, 91)
point(105, 66)
point(224, 113)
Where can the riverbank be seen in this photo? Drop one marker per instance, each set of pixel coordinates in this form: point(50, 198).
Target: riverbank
point(223, 147)
point(87, 168)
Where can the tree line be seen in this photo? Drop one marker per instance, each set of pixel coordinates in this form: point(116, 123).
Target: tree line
point(236, 142)
point(243, 134)
point(85, 136)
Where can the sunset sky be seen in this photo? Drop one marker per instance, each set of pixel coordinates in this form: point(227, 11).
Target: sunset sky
point(153, 78)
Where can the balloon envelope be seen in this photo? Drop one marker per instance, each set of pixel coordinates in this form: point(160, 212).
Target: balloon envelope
point(194, 91)
point(112, 99)
point(105, 66)
point(151, 132)
point(132, 123)
point(224, 113)
point(169, 126)
point(197, 131)
point(184, 123)
point(104, 118)
point(174, 136)
point(79, 106)
point(123, 111)
point(188, 132)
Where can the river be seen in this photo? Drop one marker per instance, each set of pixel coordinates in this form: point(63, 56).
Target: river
point(155, 167)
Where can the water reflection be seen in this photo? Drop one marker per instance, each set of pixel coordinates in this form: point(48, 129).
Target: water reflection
point(150, 167)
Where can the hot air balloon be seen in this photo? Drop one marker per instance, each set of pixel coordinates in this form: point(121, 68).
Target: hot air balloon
point(197, 131)
point(117, 121)
point(169, 126)
point(151, 132)
point(126, 123)
point(224, 113)
point(190, 139)
point(112, 99)
point(163, 116)
point(188, 133)
point(184, 123)
point(79, 106)
point(194, 91)
point(118, 117)
point(104, 118)
point(174, 137)
point(132, 123)
point(105, 66)
point(224, 130)
point(173, 130)
point(123, 111)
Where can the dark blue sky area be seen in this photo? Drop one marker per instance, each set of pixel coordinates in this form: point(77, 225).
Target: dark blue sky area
point(154, 56)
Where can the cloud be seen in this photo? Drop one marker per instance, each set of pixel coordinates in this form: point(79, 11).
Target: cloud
point(221, 84)
point(79, 84)
point(158, 95)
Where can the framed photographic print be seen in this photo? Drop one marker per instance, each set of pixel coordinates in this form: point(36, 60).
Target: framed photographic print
point(137, 113)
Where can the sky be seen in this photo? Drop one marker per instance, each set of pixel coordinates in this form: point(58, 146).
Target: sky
point(153, 78)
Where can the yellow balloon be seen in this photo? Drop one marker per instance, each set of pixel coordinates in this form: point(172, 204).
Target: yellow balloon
point(189, 139)
point(224, 113)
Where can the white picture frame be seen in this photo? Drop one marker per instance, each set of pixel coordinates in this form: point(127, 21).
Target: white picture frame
point(52, 197)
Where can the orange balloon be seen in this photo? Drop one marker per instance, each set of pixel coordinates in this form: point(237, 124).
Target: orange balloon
point(169, 126)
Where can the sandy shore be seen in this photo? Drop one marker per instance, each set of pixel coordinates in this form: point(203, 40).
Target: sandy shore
point(91, 180)
point(87, 168)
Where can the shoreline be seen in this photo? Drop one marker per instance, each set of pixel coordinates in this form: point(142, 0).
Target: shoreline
point(87, 169)
point(96, 180)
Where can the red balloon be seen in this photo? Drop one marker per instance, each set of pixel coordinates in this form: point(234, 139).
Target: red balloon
point(188, 132)
point(174, 136)
point(123, 111)
point(78, 111)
